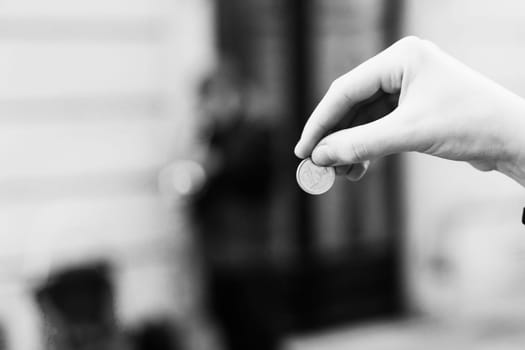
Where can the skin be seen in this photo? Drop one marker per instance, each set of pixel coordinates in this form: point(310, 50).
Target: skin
point(445, 109)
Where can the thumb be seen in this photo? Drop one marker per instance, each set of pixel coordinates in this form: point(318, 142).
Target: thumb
point(379, 138)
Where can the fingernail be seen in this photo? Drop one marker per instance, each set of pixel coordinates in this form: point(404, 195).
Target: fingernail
point(356, 172)
point(343, 170)
point(321, 155)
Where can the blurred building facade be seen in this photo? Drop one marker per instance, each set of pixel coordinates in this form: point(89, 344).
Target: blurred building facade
point(99, 101)
point(94, 102)
point(333, 259)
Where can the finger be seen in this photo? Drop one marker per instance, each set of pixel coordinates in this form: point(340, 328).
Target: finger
point(343, 170)
point(369, 141)
point(357, 171)
point(382, 71)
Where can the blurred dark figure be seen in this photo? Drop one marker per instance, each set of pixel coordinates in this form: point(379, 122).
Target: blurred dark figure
point(155, 335)
point(231, 214)
point(77, 306)
point(3, 339)
point(232, 208)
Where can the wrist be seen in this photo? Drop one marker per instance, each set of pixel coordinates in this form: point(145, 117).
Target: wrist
point(515, 169)
point(512, 163)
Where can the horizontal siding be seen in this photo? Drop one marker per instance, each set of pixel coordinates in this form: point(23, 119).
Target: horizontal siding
point(69, 8)
point(53, 236)
point(50, 69)
point(94, 108)
point(68, 150)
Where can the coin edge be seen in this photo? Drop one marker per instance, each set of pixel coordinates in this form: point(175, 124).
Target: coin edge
point(332, 173)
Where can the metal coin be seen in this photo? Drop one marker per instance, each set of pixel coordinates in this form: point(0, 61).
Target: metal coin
point(314, 179)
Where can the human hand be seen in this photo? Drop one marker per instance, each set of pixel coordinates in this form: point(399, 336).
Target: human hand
point(445, 109)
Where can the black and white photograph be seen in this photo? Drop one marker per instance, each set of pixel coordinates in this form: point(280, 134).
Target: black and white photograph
point(262, 175)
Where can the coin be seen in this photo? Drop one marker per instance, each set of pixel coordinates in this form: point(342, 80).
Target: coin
point(314, 179)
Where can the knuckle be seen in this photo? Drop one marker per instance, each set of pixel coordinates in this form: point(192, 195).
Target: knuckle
point(337, 84)
point(359, 152)
point(413, 44)
point(410, 41)
point(414, 50)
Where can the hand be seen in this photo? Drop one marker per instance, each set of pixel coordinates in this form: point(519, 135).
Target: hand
point(445, 109)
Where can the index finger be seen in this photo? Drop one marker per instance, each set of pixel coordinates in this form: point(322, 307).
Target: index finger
point(379, 72)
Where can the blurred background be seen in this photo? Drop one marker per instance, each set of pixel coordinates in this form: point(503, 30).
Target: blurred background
point(148, 196)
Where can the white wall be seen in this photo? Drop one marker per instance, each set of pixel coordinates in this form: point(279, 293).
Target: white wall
point(469, 219)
